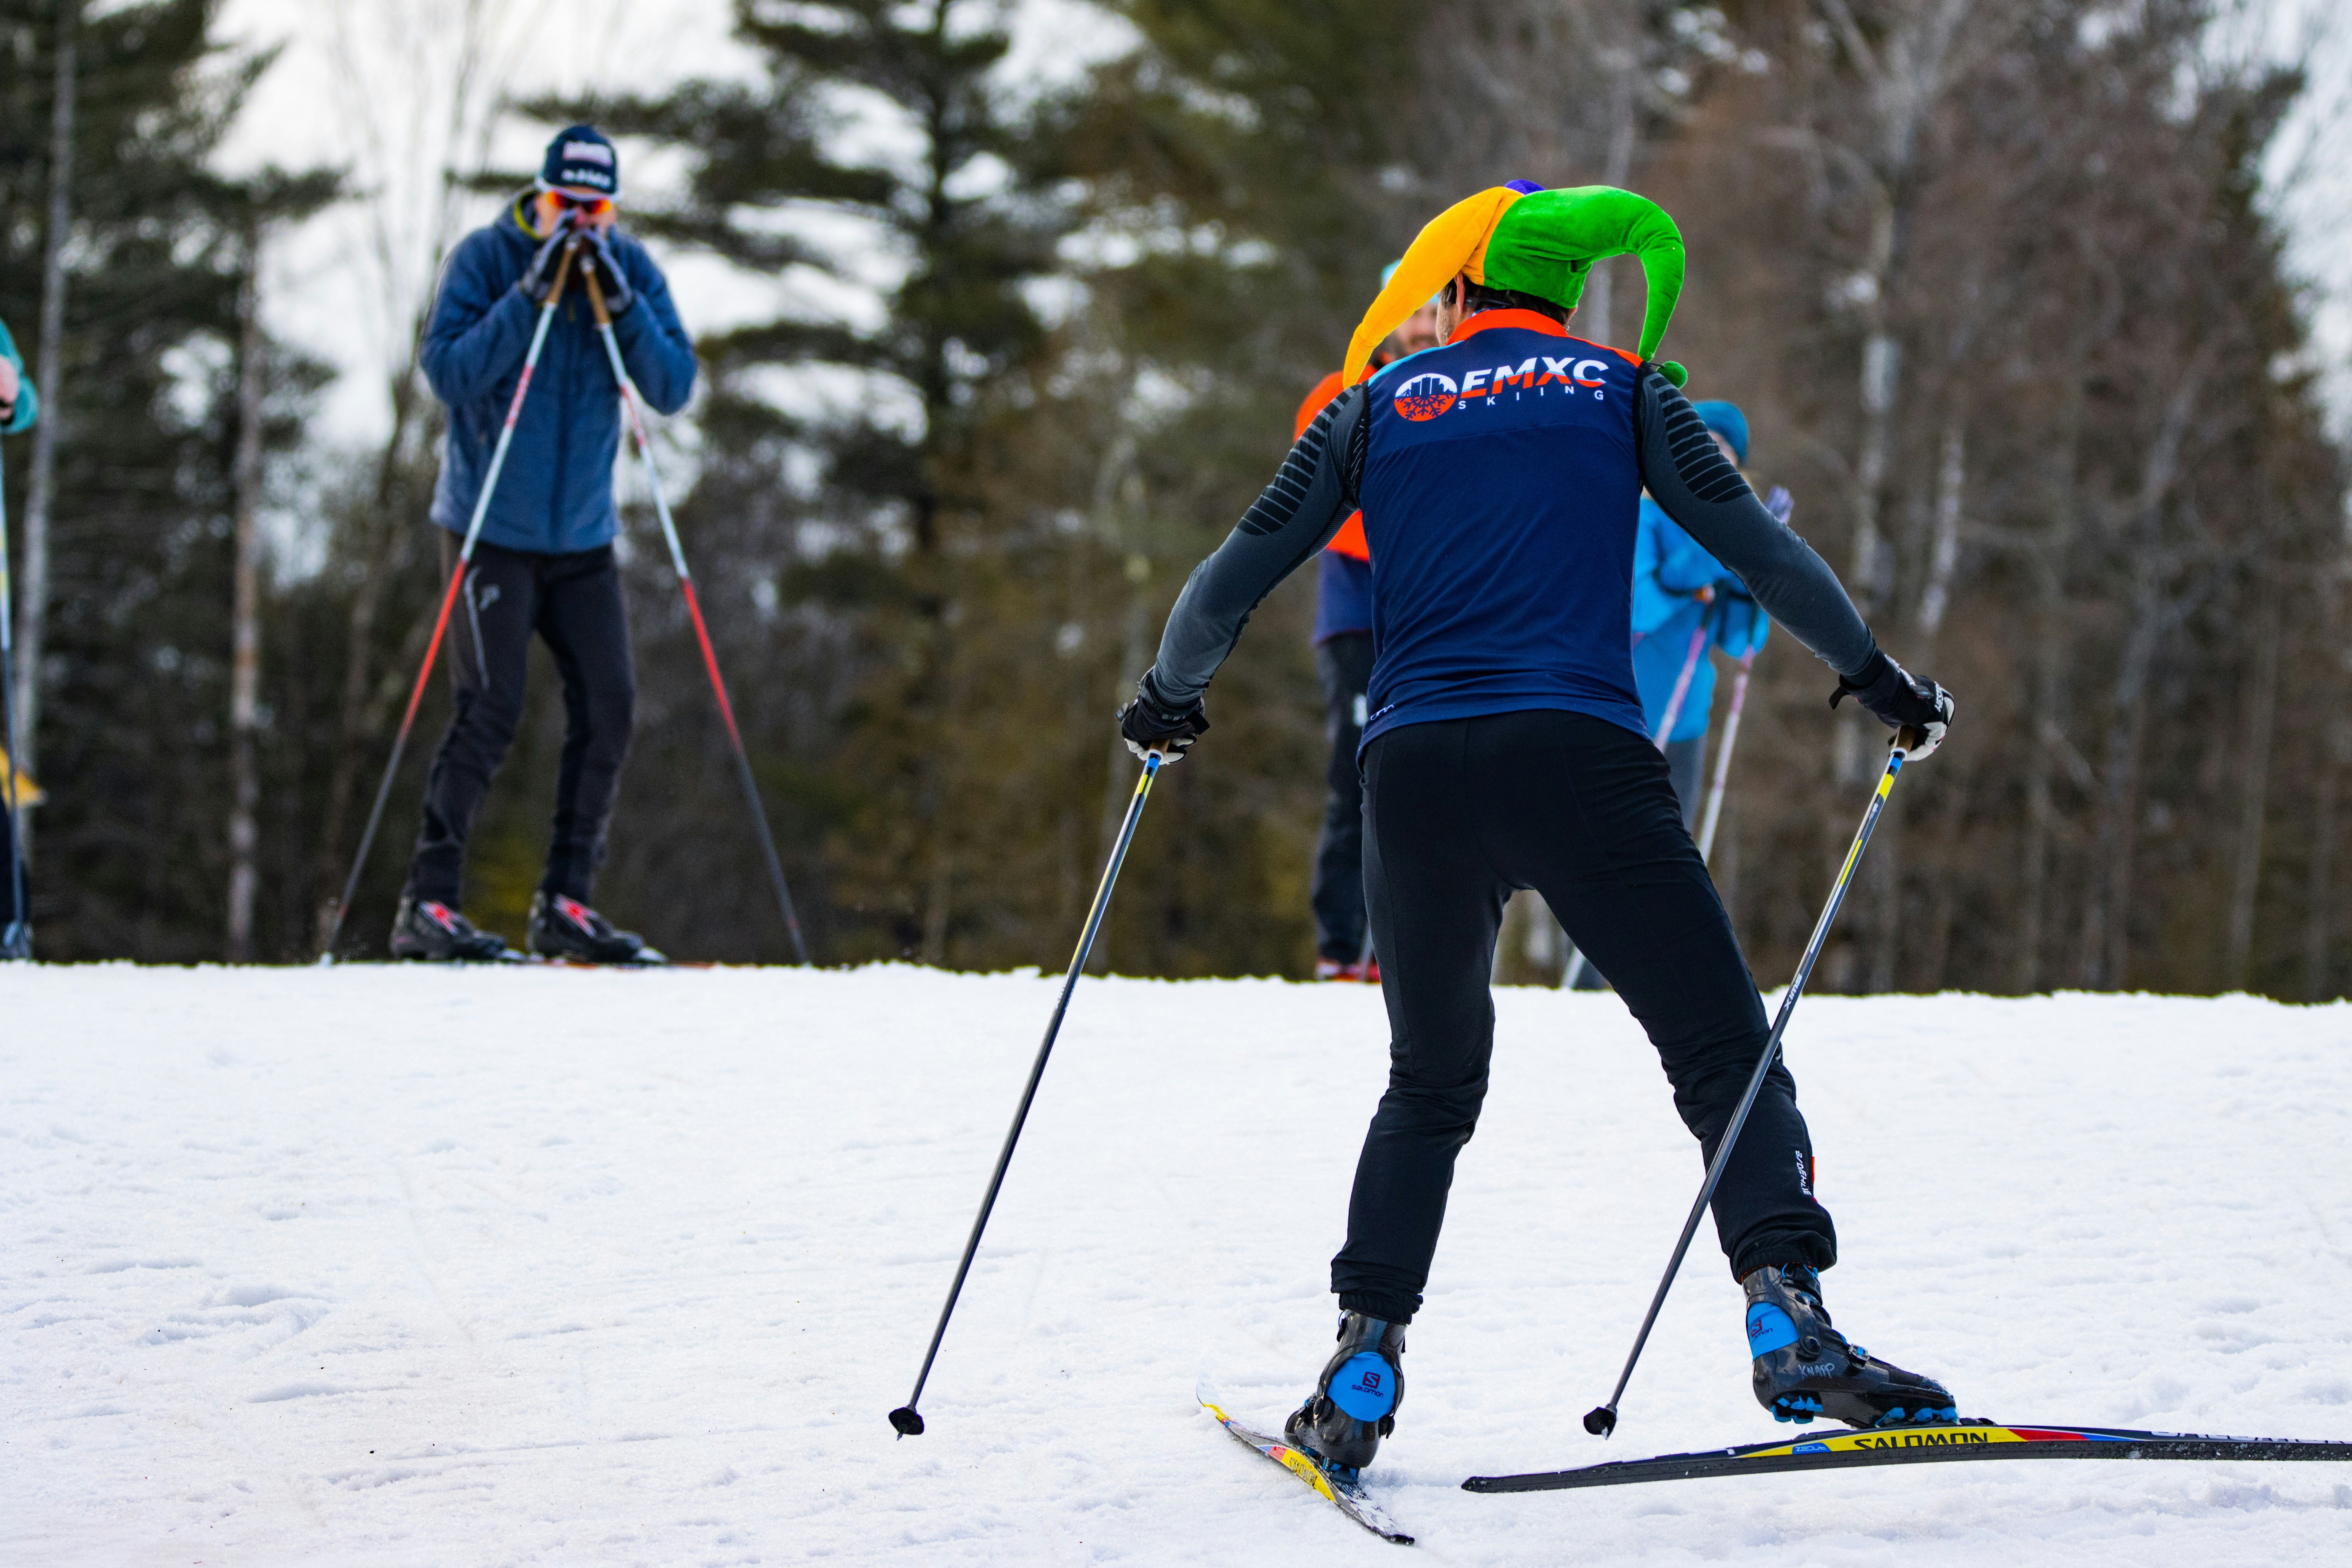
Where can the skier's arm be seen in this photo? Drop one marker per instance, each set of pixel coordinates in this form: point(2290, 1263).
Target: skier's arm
point(481, 328)
point(1292, 519)
point(654, 341)
point(1697, 485)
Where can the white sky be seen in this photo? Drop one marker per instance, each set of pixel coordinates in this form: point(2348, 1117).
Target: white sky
point(368, 85)
point(373, 86)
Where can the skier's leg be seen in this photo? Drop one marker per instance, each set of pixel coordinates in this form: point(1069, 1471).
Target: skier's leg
point(1437, 906)
point(1344, 665)
point(1635, 889)
point(1435, 909)
point(489, 646)
point(585, 624)
point(1627, 882)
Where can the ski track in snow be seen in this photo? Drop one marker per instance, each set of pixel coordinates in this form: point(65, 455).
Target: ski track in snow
point(378, 1266)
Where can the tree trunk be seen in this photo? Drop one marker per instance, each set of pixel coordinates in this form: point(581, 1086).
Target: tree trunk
point(2106, 922)
point(2052, 626)
point(32, 622)
point(245, 668)
point(2255, 774)
point(2330, 750)
point(1615, 170)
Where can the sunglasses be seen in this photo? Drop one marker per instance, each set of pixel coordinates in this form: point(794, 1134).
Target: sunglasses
point(589, 206)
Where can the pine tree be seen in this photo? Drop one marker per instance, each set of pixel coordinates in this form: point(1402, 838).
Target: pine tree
point(132, 853)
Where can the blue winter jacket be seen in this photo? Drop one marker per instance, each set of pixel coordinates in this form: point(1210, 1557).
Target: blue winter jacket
point(555, 494)
point(1669, 569)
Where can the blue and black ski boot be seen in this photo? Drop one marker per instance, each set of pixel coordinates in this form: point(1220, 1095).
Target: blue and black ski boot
point(1354, 1405)
point(1805, 1368)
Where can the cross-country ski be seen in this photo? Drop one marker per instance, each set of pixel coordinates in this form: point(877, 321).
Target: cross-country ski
point(1597, 742)
point(1342, 1493)
point(1967, 1440)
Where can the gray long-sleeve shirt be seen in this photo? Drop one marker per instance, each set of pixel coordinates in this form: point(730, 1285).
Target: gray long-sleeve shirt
point(1321, 482)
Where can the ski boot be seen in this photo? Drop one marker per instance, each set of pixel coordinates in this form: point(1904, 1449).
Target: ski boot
point(1368, 972)
point(566, 928)
point(1805, 1368)
point(16, 943)
point(429, 930)
point(1354, 1405)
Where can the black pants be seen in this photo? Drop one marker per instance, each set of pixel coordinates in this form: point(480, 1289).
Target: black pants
point(574, 602)
point(9, 914)
point(1460, 812)
point(1345, 664)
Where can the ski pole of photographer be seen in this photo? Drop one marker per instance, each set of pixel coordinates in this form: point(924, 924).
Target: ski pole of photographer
point(630, 403)
point(563, 259)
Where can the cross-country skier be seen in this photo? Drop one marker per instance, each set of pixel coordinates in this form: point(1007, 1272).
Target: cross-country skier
point(544, 564)
point(1682, 593)
point(1499, 477)
point(19, 409)
point(1343, 659)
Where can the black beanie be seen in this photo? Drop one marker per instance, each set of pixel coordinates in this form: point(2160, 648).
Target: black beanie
point(582, 159)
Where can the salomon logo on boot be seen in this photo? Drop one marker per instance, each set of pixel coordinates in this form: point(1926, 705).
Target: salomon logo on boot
point(1354, 1405)
point(1804, 1368)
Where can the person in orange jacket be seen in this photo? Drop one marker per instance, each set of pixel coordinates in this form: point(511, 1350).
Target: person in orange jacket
point(1343, 659)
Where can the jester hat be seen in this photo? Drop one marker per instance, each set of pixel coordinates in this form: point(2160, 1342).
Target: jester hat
point(1532, 241)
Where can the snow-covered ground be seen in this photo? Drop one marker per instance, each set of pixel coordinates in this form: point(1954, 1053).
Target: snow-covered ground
point(411, 1267)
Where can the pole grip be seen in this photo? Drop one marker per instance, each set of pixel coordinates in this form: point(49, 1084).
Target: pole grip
point(596, 298)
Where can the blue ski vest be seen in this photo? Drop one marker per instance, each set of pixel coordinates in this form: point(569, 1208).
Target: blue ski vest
point(1501, 491)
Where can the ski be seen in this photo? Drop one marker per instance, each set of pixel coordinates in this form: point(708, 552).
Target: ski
point(1970, 1439)
point(1348, 1497)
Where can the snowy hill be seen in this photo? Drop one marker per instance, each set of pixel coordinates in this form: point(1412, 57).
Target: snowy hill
point(386, 1266)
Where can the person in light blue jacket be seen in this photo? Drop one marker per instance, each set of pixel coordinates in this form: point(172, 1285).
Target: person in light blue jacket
point(19, 407)
point(543, 566)
point(1684, 595)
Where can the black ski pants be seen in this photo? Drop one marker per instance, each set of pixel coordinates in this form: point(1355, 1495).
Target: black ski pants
point(1460, 812)
point(1344, 663)
point(10, 913)
point(572, 602)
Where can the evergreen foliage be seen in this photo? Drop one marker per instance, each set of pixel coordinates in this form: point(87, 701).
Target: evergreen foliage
point(1997, 288)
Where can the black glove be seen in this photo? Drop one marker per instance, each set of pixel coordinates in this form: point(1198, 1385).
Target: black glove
point(1149, 726)
point(540, 275)
point(1900, 700)
point(618, 295)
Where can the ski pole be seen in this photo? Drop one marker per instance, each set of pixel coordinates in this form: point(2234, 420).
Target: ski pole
point(1601, 1419)
point(24, 921)
point(1681, 686)
point(1723, 755)
point(906, 1418)
point(694, 609)
point(449, 597)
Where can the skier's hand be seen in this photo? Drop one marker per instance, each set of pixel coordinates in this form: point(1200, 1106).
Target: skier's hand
point(540, 275)
point(1900, 700)
point(1149, 726)
point(1780, 504)
point(618, 295)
